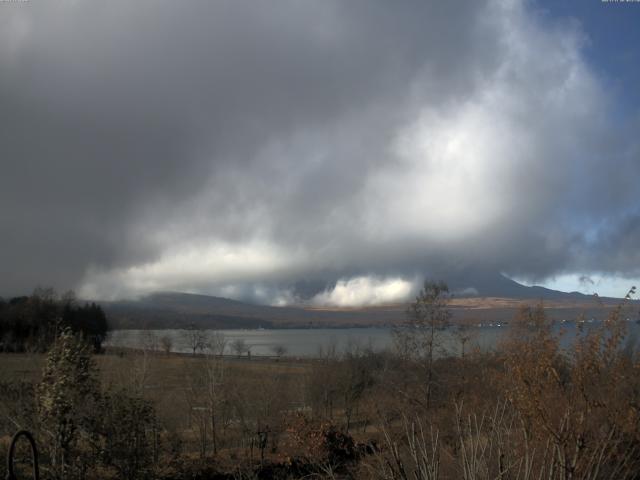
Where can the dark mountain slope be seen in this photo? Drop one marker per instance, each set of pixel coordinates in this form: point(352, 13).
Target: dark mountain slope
point(493, 284)
point(179, 310)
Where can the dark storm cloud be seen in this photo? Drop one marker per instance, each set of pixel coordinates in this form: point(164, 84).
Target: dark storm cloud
point(246, 148)
point(615, 247)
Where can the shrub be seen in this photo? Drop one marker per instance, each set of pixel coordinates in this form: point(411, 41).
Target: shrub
point(125, 434)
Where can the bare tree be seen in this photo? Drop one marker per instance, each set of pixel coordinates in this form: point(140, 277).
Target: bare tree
point(196, 338)
point(464, 334)
point(166, 343)
point(420, 334)
point(279, 350)
point(354, 376)
point(216, 345)
point(139, 372)
point(214, 377)
point(149, 341)
point(323, 380)
point(205, 396)
point(239, 346)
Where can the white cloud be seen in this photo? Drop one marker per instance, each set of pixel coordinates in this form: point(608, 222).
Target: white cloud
point(218, 268)
point(504, 151)
point(366, 291)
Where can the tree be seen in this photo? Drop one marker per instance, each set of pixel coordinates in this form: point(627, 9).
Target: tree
point(217, 344)
point(214, 374)
point(66, 395)
point(279, 350)
point(419, 335)
point(88, 319)
point(323, 381)
point(166, 343)
point(126, 430)
point(196, 338)
point(205, 395)
point(355, 375)
point(464, 334)
point(32, 323)
point(239, 346)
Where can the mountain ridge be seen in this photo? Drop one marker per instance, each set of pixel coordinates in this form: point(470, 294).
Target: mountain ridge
point(498, 299)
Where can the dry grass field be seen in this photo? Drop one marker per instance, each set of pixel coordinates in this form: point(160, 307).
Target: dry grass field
point(258, 390)
point(167, 379)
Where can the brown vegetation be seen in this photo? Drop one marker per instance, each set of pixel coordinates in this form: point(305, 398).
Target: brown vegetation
point(532, 409)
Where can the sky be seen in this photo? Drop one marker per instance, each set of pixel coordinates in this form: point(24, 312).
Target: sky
point(334, 152)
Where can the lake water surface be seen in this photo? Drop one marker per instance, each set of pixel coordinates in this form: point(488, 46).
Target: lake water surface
point(314, 342)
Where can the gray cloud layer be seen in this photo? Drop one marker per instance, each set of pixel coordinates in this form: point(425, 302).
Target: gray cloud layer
point(259, 150)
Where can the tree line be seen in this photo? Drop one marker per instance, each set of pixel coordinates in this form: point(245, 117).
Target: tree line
point(31, 323)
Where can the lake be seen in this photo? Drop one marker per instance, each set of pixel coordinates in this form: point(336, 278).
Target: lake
point(316, 341)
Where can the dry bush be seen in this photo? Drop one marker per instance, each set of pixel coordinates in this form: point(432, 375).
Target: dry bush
point(578, 405)
point(320, 443)
point(562, 412)
point(414, 455)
